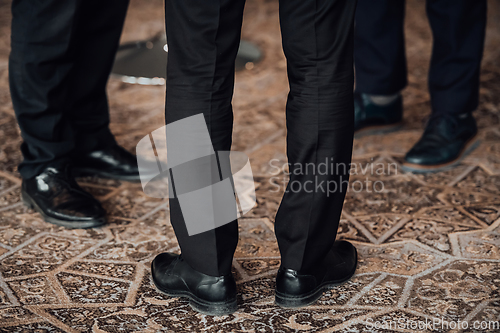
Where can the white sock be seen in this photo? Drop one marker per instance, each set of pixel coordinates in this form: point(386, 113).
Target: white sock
point(383, 100)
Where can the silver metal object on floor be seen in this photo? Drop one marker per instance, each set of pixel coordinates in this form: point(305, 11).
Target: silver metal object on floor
point(145, 62)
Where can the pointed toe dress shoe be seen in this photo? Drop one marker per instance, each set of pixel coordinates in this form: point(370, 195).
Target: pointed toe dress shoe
point(447, 139)
point(61, 201)
point(113, 163)
point(212, 295)
point(298, 289)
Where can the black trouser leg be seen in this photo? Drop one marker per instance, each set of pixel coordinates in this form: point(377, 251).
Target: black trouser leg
point(97, 35)
point(458, 28)
point(318, 44)
point(39, 67)
point(379, 47)
point(203, 38)
point(54, 67)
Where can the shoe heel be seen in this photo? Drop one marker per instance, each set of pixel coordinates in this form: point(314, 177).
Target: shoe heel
point(214, 310)
point(300, 302)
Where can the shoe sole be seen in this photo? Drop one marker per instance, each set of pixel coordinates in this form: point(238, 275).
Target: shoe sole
point(63, 223)
point(101, 174)
point(472, 144)
point(199, 305)
point(302, 301)
point(377, 130)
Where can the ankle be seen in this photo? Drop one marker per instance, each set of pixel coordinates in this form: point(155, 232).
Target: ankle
point(383, 100)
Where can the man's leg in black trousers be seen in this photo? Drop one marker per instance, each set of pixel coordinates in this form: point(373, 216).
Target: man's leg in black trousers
point(41, 60)
point(97, 32)
point(458, 29)
point(318, 44)
point(379, 47)
point(380, 61)
point(203, 39)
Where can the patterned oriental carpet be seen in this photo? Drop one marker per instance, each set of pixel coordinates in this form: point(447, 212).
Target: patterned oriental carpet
point(429, 245)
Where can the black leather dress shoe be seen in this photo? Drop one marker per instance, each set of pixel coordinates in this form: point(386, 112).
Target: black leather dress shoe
point(370, 118)
point(58, 198)
point(297, 289)
point(212, 295)
point(447, 139)
point(114, 163)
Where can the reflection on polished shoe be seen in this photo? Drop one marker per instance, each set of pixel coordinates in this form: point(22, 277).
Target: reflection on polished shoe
point(60, 200)
point(371, 118)
point(113, 163)
point(297, 289)
point(212, 295)
point(447, 139)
